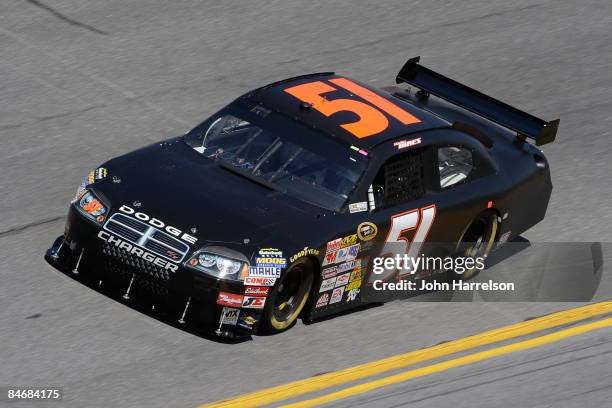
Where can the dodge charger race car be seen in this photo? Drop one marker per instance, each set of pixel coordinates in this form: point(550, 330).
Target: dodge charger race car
point(275, 206)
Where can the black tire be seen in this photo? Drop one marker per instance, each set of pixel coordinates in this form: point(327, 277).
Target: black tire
point(477, 241)
point(288, 297)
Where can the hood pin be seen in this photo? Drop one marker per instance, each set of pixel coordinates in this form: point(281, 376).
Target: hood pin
point(76, 268)
point(126, 296)
point(182, 319)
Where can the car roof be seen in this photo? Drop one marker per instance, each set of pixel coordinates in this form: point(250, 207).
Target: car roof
point(294, 98)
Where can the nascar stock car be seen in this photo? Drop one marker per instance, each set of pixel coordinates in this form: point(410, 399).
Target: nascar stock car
point(273, 207)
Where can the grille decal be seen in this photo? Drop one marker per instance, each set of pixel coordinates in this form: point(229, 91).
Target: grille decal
point(147, 236)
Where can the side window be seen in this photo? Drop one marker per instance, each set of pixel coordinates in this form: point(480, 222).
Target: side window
point(455, 165)
point(400, 179)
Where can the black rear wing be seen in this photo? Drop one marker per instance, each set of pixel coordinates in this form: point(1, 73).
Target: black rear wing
point(523, 123)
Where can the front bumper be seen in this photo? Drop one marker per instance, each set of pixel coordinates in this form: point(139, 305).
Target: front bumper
point(80, 252)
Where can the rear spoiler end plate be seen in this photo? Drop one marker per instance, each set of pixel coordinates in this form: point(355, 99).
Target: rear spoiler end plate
point(523, 123)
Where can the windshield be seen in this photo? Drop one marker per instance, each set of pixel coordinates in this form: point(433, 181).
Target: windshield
point(281, 154)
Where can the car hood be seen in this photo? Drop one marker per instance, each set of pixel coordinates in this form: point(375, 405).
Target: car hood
point(175, 184)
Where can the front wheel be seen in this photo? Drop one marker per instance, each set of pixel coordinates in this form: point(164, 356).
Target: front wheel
point(477, 241)
point(288, 297)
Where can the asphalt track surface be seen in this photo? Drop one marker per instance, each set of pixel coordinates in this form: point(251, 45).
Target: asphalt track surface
point(83, 81)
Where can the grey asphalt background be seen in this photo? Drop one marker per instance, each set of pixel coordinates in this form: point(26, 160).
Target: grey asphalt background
point(83, 81)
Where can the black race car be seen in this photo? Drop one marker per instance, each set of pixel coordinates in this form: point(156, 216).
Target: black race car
point(275, 206)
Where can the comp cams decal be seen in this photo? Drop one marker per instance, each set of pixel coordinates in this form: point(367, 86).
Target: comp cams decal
point(259, 281)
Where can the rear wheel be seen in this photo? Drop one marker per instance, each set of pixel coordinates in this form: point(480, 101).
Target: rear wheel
point(289, 296)
point(477, 241)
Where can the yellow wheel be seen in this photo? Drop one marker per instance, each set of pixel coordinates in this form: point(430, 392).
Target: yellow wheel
point(288, 297)
point(477, 241)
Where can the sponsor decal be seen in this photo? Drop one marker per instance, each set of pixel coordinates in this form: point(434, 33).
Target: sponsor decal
point(334, 245)
point(304, 252)
point(139, 252)
point(247, 319)
point(173, 255)
point(257, 290)
point(353, 251)
point(336, 295)
point(259, 281)
point(340, 243)
point(271, 262)
point(274, 252)
point(264, 272)
point(356, 274)
point(342, 279)
point(229, 299)
point(367, 231)
point(253, 302)
point(353, 284)
point(358, 207)
point(403, 144)
point(348, 254)
point(229, 316)
point(349, 240)
point(366, 245)
point(97, 174)
point(342, 254)
point(352, 295)
point(330, 258)
point(347, 266)
point(327, 284)
point(329, 272)
point(323, 300)
point(158, 224)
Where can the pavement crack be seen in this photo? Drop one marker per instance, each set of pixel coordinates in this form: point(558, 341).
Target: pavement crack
point(51, 117)
point(75, 112)
point(407, 35)
point(66, 19)
point(19, 228)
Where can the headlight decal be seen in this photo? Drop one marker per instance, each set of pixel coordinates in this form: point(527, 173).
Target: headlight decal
point(92, 207)
point(93, 176)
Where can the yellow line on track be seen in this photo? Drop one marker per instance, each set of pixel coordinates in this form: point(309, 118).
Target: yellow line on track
point(457, 362)
point(321, 382)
